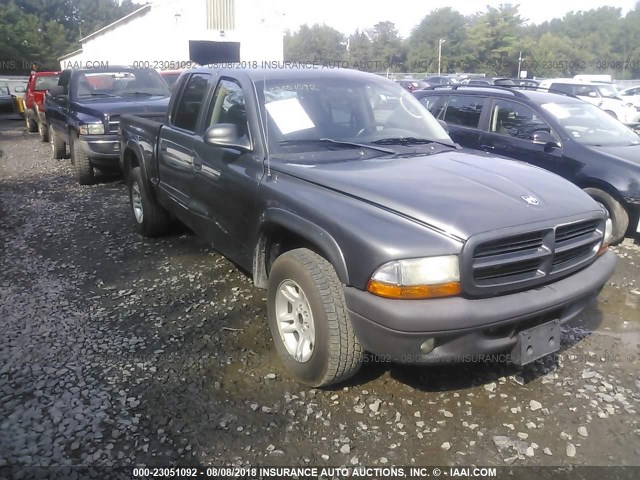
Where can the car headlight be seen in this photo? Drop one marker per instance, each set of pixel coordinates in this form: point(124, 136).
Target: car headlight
point(92, 129)
point(417, 278)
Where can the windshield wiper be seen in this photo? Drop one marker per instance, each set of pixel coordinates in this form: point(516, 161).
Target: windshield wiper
point(410, 141)
point(137, 93)
point(340, 143)
point(96, 95)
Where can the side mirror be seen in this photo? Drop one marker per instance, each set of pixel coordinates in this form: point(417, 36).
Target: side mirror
point(542, 137)
point(227, 135)
point(444, 125)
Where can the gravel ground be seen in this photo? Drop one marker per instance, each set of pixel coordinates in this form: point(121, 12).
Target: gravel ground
point(121, 350)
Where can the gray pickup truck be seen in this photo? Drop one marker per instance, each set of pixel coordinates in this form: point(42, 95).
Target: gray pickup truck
point(370, 229)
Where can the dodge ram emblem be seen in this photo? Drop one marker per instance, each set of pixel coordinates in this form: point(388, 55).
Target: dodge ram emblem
point(531, 200)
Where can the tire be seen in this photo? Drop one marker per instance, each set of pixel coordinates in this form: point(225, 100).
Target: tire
point(331, 353)
point(82, 167)
point(58, 146)
point(617, 213)
point(150, 218)
point(31, 124)
point(43, 131)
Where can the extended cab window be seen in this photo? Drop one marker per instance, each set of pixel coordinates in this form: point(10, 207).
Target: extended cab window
point(188, 109)
point(515, 120)
point(228, 106)
point(464, 110)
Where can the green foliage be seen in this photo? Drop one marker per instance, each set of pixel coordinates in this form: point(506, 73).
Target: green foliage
point(316, 43)
point(40, 31)
point(598, 41)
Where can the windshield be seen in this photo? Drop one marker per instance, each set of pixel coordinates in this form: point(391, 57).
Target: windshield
point(589, 125)
point(608, 91)
point(357, 110)
point(46, 82)
point(120, 83)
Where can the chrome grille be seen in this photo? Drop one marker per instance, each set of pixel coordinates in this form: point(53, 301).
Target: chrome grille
point(515, 262)
point(114, 123)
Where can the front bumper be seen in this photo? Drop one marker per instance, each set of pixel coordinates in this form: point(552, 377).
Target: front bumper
point(103, 150)
point(465, 328)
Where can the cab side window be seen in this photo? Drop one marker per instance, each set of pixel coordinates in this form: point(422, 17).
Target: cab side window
point(188, 108)
point(435, 104)
point(516, 120)
point(228, 106)
point(464, 110)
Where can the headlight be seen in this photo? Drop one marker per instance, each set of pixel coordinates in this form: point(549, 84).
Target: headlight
point(417, 278)
point(92, 129)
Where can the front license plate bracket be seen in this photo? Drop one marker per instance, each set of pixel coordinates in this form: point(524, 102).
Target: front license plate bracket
point(536, 342)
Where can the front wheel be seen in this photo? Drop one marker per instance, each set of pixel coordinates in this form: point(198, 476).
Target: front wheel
point(617, 213)
point(150, 218)
point(58, 146)
point(309, 321)
point(82, 167)
point(43, 131)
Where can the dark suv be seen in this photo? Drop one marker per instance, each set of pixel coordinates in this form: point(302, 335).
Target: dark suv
point(560, 133)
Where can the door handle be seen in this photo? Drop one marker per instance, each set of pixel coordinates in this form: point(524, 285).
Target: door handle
point(487, 147)
point(197, 162)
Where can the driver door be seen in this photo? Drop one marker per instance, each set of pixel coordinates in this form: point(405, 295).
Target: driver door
point(226, 179)
point(510, 134)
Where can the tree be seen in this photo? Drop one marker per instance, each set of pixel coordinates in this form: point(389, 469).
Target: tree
point(494, 42)
point(444, 23)
point(40, 31)
point(318, 43)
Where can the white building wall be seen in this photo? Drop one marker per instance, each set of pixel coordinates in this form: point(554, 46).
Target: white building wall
point(161, 35)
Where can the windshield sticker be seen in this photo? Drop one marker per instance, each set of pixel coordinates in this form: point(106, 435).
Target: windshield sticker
point(289, 115)
point(556, 110)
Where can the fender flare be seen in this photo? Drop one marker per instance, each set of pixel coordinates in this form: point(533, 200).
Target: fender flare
point(311, 232)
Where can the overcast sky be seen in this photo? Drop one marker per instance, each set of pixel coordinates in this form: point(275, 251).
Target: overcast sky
point(347, 15)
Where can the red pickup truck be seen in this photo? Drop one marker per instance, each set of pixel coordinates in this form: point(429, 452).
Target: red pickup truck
point(39, 83)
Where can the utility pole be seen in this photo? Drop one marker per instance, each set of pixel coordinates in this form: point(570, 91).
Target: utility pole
point(519, 63)
point(442, 40)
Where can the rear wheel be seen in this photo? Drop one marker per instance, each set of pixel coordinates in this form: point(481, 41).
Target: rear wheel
point(617, 213)
point(58, 146)
point(150, 218)
point(309, 321)
point(82, 167)
point(31, 124)
point(43, 131)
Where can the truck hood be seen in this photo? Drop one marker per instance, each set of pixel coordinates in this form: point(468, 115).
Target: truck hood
point(121, 105)
point(459, 193)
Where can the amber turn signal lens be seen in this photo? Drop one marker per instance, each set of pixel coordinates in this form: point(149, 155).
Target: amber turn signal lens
point(603, 248)
point(413, 292)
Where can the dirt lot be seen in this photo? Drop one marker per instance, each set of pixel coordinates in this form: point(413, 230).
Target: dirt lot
point(120, 350)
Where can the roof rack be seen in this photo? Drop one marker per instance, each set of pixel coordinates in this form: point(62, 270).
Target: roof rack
point(513, 89)
point(480, 87)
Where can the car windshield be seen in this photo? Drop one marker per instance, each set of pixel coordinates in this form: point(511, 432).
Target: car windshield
point(121, 83)
point(46, 82)
point(589, 125)
point(303, 114)
point(608, 91)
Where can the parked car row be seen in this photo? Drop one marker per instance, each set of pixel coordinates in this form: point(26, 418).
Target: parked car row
point(339, 193)
point(559, 133)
